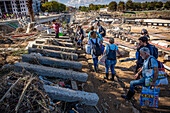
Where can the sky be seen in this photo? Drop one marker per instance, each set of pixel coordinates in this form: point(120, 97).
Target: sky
point(87, 2)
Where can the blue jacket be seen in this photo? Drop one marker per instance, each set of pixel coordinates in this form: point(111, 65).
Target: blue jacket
point(139, 59)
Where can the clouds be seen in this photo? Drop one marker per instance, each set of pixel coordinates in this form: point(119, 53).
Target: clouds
point(87, 2)
point(82, 2)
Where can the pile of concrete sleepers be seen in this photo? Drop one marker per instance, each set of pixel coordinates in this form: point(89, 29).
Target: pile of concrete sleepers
point(121, 36)
point(58, 60)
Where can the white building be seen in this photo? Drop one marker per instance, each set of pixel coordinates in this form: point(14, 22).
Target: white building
point(104, 9)
point(18, 6)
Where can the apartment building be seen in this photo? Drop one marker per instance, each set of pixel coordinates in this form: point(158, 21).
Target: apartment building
point(18, 6)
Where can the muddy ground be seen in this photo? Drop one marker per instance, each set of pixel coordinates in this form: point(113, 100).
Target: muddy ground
point(109, 92)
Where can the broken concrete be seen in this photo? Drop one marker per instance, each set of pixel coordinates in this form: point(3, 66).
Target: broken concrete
point(53, 62)
point(53, 53)
point(65, 44)
point(53, 35)
point(69, 95)
point(74, 85)
point(45, 40)
point(123, 38)
point(131, 41)
point(9, 49)
point(135, 43)
point(41, 40)
point(51, 72)
point(63, 40)
point(53, 47)
point(127, 40)
point(167, 57)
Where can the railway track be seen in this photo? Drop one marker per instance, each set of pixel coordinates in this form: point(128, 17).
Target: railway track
point(134, 40)
point(58, 61)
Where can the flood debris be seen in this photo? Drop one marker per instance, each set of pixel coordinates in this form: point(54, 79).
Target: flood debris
point(21, 92)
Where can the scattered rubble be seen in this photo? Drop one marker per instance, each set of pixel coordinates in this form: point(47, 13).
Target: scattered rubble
point(51, 77)
point(24, 93)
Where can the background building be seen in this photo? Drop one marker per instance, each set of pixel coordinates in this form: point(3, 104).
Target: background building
point(104, 9)
point(71, 8)
point(18, 6)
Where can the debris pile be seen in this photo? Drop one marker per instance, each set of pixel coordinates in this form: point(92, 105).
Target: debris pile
point(23, 93)
point(5, 40)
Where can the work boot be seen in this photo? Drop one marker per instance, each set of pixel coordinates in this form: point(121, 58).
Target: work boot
point(107, 75)
point(129, 95)
point(112, 78)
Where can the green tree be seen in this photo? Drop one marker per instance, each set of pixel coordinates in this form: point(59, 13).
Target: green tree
point(151, 5)
point(106, 6)
point(121, 6)
point(96, 7)
point(167, 5)
point(53, 6)
point(84, 8)
point(137, 6)
point(159, 5)
point(129, 5)
point(102, 6)
point(113, 6)
point(79, 7)
point(144, 6)
point(62, 7)
point(91, 6)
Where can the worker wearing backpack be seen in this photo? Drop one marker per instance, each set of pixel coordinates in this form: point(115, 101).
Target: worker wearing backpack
point(101, 30)
point(143, 42)
point(98, 35)
point(81, 34)
point(144, 32)
point(111, 60)
point(94, 43)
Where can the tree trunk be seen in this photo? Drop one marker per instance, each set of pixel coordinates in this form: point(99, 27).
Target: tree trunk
point(30, 9)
